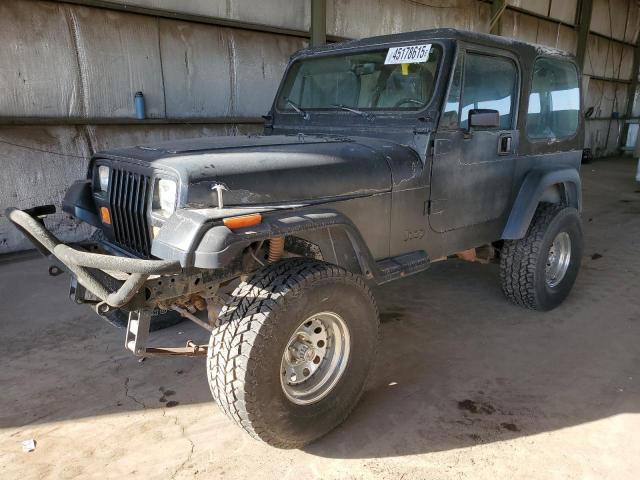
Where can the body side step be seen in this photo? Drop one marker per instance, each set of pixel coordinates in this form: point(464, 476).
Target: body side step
point(407, 264)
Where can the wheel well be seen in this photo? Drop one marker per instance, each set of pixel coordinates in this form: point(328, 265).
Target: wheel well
point(553, 194)
point(558, 187)
point(563, 193)
point(302, 247)
point(331, 244)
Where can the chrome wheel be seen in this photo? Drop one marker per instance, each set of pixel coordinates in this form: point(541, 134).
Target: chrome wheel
point(315, 358)
point(558, 259)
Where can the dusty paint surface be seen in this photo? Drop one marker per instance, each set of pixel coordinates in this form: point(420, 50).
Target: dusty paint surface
point(466, 385)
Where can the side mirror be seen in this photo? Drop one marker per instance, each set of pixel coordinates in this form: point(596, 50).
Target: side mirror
point(484, 117)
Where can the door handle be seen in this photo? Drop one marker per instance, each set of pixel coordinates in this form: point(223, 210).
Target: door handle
point(504, 144)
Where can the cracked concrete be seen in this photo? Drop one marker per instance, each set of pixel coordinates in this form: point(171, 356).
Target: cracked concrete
point(131, 397)
point(466, 385)
point(190, 454)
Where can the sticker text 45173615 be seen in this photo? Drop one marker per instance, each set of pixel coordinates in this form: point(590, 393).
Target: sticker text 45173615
point(408, 54)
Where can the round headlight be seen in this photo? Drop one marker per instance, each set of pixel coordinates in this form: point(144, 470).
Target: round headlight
point(103, 177)
point(167, 193)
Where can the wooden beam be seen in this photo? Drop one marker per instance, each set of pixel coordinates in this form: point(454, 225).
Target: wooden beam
point(583, 22)
point(631, 91)
point(497, 9)
point(124, 6)
point(318, 32)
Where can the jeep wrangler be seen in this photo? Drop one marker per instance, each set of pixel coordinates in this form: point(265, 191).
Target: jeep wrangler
point(378, 157)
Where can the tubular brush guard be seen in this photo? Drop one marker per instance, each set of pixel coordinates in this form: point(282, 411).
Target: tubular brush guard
point(79, 262)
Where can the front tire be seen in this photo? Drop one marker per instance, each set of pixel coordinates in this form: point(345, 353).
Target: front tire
point(539, 270)
point(293, 350)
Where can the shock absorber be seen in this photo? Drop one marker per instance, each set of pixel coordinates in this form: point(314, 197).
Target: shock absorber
point(276, 248)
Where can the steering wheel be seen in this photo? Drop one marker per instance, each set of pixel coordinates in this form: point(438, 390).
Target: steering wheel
point(407, 100)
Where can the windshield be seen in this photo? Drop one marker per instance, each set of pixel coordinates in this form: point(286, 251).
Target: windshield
point(396, 78)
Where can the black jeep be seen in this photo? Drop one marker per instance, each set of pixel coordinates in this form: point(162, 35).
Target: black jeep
point(378, 157)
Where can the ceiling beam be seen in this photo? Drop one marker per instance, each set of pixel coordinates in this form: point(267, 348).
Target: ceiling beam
point(188, 17)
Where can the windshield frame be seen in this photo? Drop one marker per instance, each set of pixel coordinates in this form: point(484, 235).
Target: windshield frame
point(440, 43)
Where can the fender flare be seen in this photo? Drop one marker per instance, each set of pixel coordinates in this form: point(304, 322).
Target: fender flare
point(198, 242)
point(532, 190)
point(78, 202)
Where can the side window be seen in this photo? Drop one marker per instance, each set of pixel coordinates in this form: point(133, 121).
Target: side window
point(489, 82)
point(554, 101)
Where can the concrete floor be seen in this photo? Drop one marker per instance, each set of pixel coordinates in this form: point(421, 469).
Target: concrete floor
point(466, 385)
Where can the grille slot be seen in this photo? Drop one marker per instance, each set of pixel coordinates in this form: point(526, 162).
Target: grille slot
point(129, 199)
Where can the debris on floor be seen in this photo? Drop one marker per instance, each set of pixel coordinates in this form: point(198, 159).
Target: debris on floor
point(28, 445)
point(476, 407)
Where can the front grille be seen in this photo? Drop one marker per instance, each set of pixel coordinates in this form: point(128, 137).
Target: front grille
point(129, 196)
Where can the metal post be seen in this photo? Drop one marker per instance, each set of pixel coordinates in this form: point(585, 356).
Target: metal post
point(631, 91)
point(318, 22)
point(583, 21)
point(497, 9)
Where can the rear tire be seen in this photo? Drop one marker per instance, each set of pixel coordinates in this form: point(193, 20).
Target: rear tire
point(539, 270)
point(254, 353)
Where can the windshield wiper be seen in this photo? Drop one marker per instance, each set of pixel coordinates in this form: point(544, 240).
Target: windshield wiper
point(304, 114)
point(352, 110)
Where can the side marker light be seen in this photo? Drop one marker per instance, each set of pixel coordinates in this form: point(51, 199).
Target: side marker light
point(242, 221)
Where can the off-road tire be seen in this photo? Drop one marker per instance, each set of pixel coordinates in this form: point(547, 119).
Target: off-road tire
point(523, 262)
point(245, 350)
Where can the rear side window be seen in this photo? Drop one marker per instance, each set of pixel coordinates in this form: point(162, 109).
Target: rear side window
point(554, 101)
point(489, 82)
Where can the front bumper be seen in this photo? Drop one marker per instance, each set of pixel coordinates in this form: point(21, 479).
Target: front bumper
point(91, 269)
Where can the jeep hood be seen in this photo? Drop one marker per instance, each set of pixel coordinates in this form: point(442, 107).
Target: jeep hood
point(265, 170)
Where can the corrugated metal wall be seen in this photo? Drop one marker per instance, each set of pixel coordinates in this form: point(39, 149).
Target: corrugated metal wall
point(69, 70)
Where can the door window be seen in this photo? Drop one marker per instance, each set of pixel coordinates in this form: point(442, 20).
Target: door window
point(489, 82)
point(554, 101)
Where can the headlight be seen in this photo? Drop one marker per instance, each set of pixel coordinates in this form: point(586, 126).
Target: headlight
point(103, 177)
point(167, 193)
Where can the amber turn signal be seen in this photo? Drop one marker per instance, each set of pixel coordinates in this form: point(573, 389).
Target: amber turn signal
point(242, 221)
point(105, 215)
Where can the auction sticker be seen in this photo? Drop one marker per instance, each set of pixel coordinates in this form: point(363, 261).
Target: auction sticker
point(408, 54)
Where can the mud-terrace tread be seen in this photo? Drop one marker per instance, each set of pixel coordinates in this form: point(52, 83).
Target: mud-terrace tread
point(519, 257)
point(233, 354)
